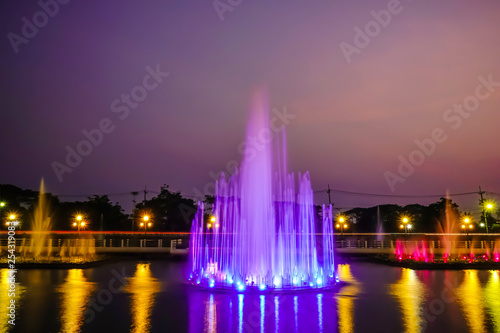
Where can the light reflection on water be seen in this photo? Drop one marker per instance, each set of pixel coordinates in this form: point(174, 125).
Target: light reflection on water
point(320, 311)
point(470, 300)
point(6, 295)
point(491, 294)
point(210, 315)
point(75, 295)
point(143, 288)
point(393, 299)
point(346, 297)
point(240, 312)
point(410, 293)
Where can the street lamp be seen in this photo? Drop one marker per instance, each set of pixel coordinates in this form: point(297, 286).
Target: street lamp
point(79, 222)
point(2, 204)
point(12, 220)
point(146, 223)
point(341, 224)
point(487, 205)
point(467, 225)
point(213, 221)
point(405, 224)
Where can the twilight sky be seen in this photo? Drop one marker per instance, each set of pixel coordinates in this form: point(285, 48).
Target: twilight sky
point(356, 102)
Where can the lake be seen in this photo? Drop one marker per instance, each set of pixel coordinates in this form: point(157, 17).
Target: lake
point(152, 296)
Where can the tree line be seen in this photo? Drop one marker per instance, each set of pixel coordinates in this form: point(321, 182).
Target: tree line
point(170, 211)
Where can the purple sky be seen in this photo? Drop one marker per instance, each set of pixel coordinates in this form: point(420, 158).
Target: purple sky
point(352, 119)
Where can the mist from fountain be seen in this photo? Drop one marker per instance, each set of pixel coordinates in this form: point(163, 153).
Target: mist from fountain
point(380, 227)
point(264, 236)
point(40, 227)
point(450, 230)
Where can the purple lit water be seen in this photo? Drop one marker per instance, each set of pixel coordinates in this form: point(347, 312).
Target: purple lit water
point(264, 233)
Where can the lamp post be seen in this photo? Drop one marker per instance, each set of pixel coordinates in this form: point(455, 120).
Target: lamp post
point(79, 222)
point(486, 207)
point(213, 221)
point(405, 224)
point(146, 223)
point(341, 225)
point(12, 220)
point(467, 227)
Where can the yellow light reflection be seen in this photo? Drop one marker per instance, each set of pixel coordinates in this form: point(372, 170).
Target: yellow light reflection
point(410, 293)
point(5, 299)
point(345, 298)
point(470, 300)
point(143, 288)
point(491, 295)
point(76, 291)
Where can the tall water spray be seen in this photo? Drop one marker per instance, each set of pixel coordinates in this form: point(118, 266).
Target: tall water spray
point(41, 225)
point(40, 247)
point(380, 226)
point(264, 235)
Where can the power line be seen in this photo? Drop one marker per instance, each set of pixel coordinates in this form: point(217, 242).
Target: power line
point(91, 195)
point(328, 190)
point(396, 195)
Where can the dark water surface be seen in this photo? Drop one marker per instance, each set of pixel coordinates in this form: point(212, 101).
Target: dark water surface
point(132, 296)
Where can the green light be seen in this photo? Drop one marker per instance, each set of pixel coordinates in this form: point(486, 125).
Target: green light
point(2, 204)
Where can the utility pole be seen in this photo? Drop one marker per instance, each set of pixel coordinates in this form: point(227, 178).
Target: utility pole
point(145, 193)
point(481, 192)
point(134, 194)
point(329, 198)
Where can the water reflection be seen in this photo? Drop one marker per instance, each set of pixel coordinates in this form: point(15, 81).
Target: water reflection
point(143, 288)
point(345, 299)
point(240, 312)
point(75, 294)
point(210, 315)
point(492, 298)
point(470, 300)
point(262, 312)
point(410, 293)
point(5, 298)
point(296, 311)
point(276, 313)
point(320, 312)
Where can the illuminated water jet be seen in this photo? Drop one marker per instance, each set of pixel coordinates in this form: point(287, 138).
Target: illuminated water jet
point(39, 248)
point(265, 233)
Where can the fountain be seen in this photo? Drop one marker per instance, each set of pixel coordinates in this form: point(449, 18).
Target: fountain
point(446, 252)
point(380, 226)
point(264, 234)
point(39, 248)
